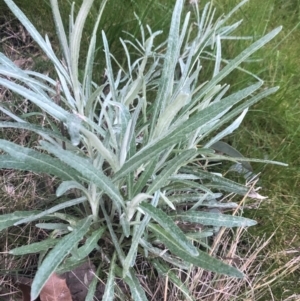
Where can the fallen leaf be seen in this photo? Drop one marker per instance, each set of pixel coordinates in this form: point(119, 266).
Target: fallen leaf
point(79, 280)
point(24, 285)
point(55, 289)
point(25, 289)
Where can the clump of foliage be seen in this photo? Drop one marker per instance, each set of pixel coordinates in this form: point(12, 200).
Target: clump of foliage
point(136, 147)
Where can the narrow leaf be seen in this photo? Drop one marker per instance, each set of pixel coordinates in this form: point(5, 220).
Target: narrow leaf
point(51, 210)
point(110, 285)
point(145, 155)
point(203, 260)
point(45, 103)
point(227, 149)
point(170, 61)
point(67, 185)
point(90, 244)
point(36, 36)
point(217, 181)
point(173, 230)
point(136, 237)
point(8, 220)
point(214, 219)
point(52, 226)
point(75, 41)
point(28, 159)
point(60, 31)
point(35, 128)
point(35, 247)
point(87, 169)
point(237, 110)
point(137, 291)
point(145, 175)
point(232, 127)
point(57, 255)
point(171, 168)
point(93, 286)
point(241, 58)
point(176, 135)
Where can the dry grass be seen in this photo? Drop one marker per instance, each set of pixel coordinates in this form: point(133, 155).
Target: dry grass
point(19, 190)
point(238, 248)
point(244, 252)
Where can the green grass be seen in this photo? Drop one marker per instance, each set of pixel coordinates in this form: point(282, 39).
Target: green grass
point(270, 130)
point(118, 19)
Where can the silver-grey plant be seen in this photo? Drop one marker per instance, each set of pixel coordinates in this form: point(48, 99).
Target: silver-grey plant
point(132, 150)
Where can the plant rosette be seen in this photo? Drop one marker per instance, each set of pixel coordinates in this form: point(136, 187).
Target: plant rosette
point(137, 152)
